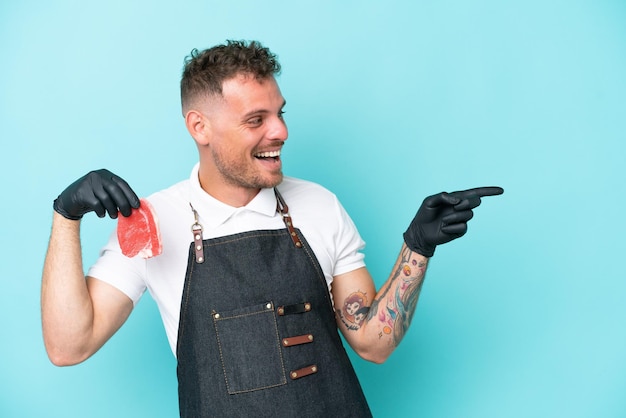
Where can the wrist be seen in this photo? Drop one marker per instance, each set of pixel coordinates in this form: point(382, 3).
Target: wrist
point(63, 227)
point(415, 244)
point(58, 208)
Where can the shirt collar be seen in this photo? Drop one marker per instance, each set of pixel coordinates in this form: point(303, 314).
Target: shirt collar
point(213, 212)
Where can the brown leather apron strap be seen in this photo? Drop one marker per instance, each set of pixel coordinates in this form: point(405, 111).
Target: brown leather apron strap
point(305, 371)
point(281, 207)
point(196, 229)
point(297, 340)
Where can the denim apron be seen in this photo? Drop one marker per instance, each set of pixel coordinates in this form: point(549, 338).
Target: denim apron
point(257, 333)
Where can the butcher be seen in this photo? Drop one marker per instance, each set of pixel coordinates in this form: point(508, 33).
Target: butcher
point(255, 273)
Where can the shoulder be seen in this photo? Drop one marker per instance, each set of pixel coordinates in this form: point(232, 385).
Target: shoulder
point(312, 202)
point(180, 190)
point(172, 200)
point(326, 225)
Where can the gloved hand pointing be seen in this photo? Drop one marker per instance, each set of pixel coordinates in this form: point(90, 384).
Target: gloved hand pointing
point(100, 191)
point(443, 217)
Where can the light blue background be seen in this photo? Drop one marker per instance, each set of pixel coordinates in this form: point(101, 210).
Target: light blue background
point(387, 102)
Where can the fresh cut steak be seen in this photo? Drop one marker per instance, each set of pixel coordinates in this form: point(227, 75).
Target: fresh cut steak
point(138, 234)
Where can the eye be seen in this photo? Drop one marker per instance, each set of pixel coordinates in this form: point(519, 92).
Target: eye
point(281, 114)
point(255, 121)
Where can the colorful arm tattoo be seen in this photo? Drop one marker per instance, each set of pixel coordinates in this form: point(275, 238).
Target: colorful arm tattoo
point(399, 297)
point(354, 310)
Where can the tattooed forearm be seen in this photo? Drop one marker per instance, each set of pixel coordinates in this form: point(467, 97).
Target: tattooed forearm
point(406, 301)
point(395, 304)
point(404, 258)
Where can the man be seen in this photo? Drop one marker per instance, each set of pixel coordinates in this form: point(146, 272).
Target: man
point(258, 271)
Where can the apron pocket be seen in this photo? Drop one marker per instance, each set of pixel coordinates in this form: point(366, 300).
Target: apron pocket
point(249, 348)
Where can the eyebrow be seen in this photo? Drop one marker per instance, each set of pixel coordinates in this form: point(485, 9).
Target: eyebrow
point(257, 111)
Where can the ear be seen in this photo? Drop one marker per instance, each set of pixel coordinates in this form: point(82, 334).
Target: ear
point(198, 126)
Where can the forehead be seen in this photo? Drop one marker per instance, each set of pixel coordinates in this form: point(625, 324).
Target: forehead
point(244, 92)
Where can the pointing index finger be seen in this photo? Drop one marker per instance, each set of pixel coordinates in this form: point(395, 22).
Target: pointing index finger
point(478, 192)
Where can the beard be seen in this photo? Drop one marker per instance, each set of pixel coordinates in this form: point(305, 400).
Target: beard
point(242, 173)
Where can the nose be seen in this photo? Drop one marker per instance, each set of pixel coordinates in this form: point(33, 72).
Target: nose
point(278, 129)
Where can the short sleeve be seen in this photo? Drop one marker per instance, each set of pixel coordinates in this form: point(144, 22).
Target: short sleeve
point(124, 273)
point(349, 244)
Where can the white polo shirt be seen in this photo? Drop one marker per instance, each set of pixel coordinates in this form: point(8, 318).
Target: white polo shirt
point(314, 210)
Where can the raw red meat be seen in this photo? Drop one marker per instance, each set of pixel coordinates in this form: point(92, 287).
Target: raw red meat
point(139, 233)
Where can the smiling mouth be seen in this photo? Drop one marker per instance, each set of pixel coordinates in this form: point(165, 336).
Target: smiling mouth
point(268, 154)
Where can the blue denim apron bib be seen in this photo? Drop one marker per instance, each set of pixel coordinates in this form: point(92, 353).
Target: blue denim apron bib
point(257, 333)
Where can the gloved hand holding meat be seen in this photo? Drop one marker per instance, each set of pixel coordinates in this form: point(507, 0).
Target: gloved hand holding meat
point(104, 192)
point(99, 191)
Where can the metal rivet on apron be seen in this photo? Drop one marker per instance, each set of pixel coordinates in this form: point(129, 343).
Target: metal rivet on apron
point(268, 306)
point(294, 375)
point(310, 337)
point(199, 247)
point(314, 369)
point(200, 259)
point(307, 306)
point(197, 236)
point(285, 342)
point(216, 316)
point(298, 244)
point(281, 311)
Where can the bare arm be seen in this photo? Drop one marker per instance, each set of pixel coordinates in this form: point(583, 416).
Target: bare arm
point(373, 322)
point(78, 315)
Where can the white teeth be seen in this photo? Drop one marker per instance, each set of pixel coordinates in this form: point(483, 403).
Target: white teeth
point(268, 154)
